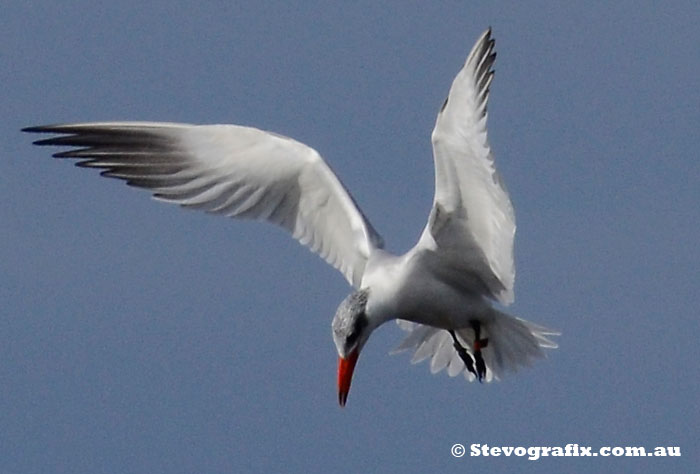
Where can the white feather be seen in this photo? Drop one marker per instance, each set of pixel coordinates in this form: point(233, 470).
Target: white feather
point(472, 223)
point(235, 171)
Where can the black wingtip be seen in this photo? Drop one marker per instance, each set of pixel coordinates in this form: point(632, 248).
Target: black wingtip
point(35, 129)
point(51, 128)
point(55, 128)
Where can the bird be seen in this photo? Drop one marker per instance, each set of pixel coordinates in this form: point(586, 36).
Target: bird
point(445, 292)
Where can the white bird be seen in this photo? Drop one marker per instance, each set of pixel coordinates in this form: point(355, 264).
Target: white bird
point(441, 291)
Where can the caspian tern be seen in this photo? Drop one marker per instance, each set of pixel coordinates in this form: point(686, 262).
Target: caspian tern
point(441, 291)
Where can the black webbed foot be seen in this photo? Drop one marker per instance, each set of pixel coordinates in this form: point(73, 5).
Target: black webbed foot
point(478, 345)
point(480, 370)
point(463, 354)
point(480, 365)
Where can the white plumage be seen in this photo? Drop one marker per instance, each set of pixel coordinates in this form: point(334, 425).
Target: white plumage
point(463, 259)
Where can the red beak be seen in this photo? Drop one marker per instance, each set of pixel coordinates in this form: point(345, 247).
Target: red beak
point(345, 369)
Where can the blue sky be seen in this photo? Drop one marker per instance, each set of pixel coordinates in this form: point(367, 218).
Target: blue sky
point(138, 337)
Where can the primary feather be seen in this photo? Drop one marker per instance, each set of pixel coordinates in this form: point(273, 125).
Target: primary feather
point(231, 170)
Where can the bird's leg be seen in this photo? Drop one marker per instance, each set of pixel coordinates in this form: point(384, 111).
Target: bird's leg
point(478, 345)
point(463, 354)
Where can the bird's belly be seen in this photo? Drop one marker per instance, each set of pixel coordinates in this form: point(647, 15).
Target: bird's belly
point(436, 303)
point(399, 289)
point(443, 309)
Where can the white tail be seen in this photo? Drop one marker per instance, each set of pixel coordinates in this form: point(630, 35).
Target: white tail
point(512, 343)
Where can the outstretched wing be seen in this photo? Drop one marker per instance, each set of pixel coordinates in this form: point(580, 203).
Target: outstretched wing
point(469, 236)
point(230, 170)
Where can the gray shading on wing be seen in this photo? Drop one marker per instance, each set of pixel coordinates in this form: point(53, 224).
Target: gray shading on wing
point(230, 170)
point(468, 240)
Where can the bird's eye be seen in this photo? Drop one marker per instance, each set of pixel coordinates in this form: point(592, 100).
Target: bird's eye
point(352, 338)
point(357, 329)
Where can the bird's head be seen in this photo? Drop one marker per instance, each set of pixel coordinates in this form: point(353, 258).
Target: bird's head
point(351, 329)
